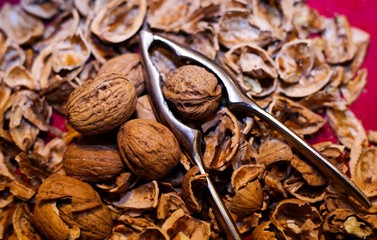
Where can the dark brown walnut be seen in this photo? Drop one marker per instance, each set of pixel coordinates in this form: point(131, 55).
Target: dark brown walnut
point(128, 64)
point(92, 162)
point(149, 149)
point(143, 197)
point(67, 207)
point(296, 219)
point(193, 187)
point(101, 104)
point(194, 91)
point(248, 199)
point(221, 137)
point(118, 21)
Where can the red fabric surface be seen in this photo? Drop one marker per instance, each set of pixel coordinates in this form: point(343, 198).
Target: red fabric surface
point(361, 14)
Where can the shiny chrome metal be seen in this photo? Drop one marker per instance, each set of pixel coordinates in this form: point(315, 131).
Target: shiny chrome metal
point(237, 101)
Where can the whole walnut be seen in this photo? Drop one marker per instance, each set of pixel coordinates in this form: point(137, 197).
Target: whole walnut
point(130, 65)
point(101, 104)
point(67, 208)
point(194, 91)
point(149, 149)
point(92, 162)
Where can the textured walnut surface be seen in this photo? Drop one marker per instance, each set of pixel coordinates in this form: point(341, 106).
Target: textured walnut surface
point(107, 169)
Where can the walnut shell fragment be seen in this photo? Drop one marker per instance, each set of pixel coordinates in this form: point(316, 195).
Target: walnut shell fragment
point(298, 118)
point(18, 76)
point(254, 69)
point(143, 197)
point(365, 174)
point(188, 225)
point(101, 104)
point(118, 21)
point(264, 231)
point(92, 162)
point(248, 199)
point(272, 151)
point(221, 137)
point(130, 65)
point(339, 42)
point(68, 207)
point(70, 53)
point(194, 91)
point(18, 25)
point(43, 9)
point(245, 174)
point(168, 203)
point(149, 149)
point(346, 126)
point(296, 219)
point(193, 187)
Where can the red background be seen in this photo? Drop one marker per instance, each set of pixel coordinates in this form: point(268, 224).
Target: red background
point(361, 14)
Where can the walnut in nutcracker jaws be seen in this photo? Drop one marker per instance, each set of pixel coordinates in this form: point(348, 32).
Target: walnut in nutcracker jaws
point(194, 91)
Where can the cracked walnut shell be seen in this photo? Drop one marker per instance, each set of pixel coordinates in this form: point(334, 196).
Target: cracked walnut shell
point(148, 148)
point(101, 104)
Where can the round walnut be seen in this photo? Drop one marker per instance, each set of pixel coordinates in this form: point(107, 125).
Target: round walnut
point(148, 148)
point(101, 104)
point(194, 91)
point(92, 162)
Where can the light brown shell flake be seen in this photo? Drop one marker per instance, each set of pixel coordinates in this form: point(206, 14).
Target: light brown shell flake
point(272, 151)
point(23, 223)
point(298, 118)
point(346, 126)
point(339, 43)
point(221, 137)
point(18, 25)
point(70, 53)
point(307, 20)
point(254, 70)
point(235, 27)
point(27, 114)
point(188, 225)
point(308, 172)
point(204, 40)
point(43, 9)
point(144, 109)
point(296, 219)
point(118, 21)
point(143, 197)
point(245, 174)
point(264, 231)
point(18, 76)
point(352, 90)
point(302, 68)
point(248, 199)
point(168, 203)
point(11, 54)
point(300, 189)
point(365, 173)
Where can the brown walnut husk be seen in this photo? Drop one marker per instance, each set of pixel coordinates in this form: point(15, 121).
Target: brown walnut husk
point(148, 148)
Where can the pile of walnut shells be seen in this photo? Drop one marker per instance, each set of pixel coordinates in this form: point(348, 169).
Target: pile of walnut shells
point(113, 172)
